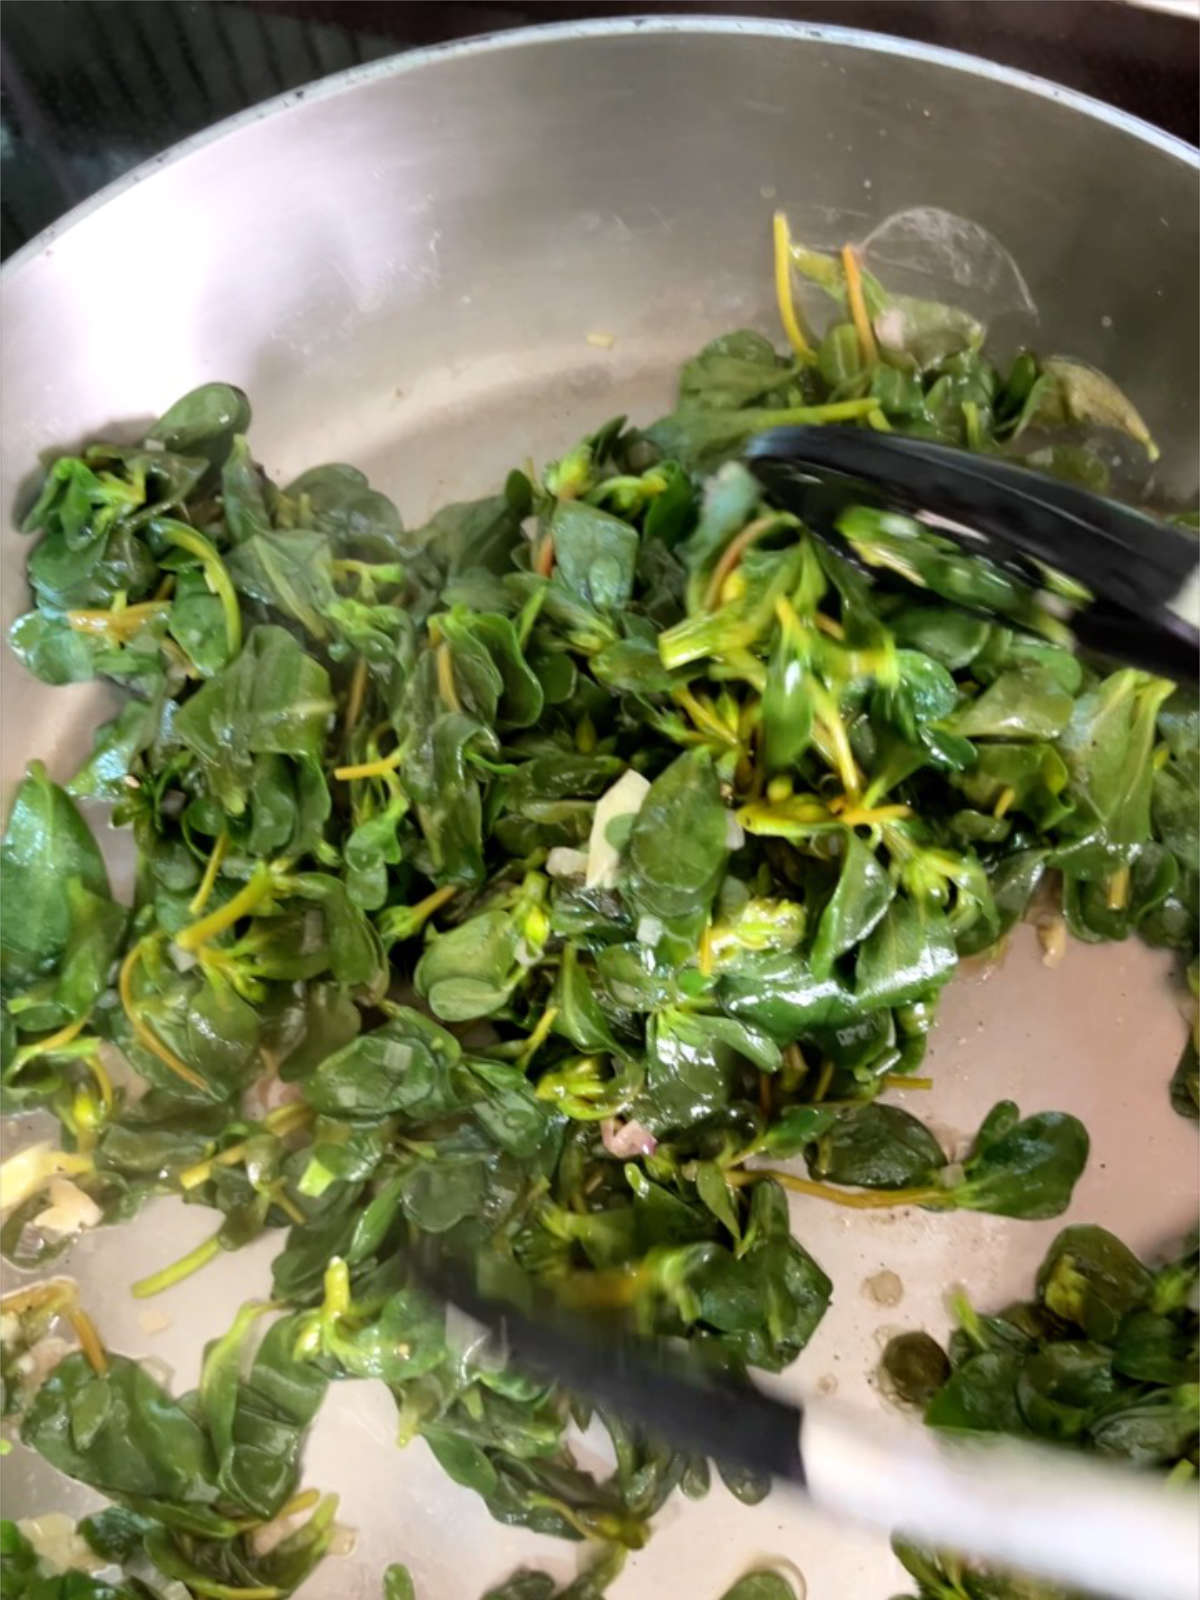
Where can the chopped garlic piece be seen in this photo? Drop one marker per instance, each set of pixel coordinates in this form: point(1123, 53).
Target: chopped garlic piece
point(22, 1175)
point(563, 862)
point(623, 799)
point(1052, 936)
point(70, 1210)
point(153, 1321)
point(602, 341)
point(54, 1538)
point(267, 1535)
point(40, 1360)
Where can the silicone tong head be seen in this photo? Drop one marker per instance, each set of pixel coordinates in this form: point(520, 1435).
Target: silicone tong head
point(1132, 566)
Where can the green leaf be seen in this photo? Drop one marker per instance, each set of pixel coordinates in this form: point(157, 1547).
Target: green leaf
point(717, 1196)
point(916, 1367)
point(761, 1585)
point(272, 699)
point(1108, 745)
point(470, 533)
point(290, 571)
point(595, 553)
point(358, 521)
point(203, 421)
point(909, 952)
point(738, 369)
point(1024, 1168)
point(1025, 703)
point(876, 1147)
point(120, 1432)
point(1080, 393)
point(1062, 1387)
point(1091, 1280)
point(662, 880)
point(405, 1066)
point(860, 899)
point(46, 846)
point(980, 1396)
point(397, 1583)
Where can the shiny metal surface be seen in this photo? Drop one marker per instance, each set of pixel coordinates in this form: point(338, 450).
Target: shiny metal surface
point(401, 267)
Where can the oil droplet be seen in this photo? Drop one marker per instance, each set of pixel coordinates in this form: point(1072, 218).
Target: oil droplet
point(885, 1288)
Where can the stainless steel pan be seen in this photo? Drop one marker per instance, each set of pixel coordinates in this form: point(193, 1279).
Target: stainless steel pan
point(402, 266)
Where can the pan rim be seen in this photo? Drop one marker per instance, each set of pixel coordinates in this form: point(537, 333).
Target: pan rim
point(407, 61)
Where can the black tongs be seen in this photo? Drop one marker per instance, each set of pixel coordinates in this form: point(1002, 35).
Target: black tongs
point(1086, 1524)
point(1140, 573)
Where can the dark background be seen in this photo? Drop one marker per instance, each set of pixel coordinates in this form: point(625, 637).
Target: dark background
point(92, 87)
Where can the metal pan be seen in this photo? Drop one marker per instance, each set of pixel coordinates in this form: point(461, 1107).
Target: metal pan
point(401, 266)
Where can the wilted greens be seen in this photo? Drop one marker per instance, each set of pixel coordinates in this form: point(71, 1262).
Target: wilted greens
point(1103, 1358)
point(539, 880)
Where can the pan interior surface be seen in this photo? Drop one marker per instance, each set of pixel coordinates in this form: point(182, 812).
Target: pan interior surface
point(402, 270)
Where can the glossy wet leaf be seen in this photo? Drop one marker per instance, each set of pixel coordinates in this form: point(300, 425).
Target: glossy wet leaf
point(120, 1432)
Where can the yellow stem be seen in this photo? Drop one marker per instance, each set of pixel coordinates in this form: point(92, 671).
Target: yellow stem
point(704, 717)
point(212, 867)
point(1003, 800)
point(215, 572)
point(781, 235)
point(1118, 889)
point(304, 1501)
point(357, 694)
point(855, 1199)
point(538, 1037)
point(543, 563)
point(46, 1046)
point(604, 1290)
point(125, 623)
point(370, 769)
point(251, 894)
point(444, 661)
point(89, 1339)
point(902, 1080)
point(166, 1277)
point(834, 742)
point(147, 1039)
point(424, 909)
point(868, 816)
point(52, 1296)
point(824, 1078)
point(284, 1120)
point(704, 954)
point(103, 1082)
point(733, 553)
point(858, 307)
point(281, 1198)
point(337, 1288)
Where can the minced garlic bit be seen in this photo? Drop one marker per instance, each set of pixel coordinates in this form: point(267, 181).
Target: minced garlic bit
point(1052, 936)
point(601, 341)
point(70, 1210)
point(54, 1538)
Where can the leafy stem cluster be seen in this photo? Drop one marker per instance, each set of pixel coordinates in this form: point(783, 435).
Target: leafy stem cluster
point(539, 880)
